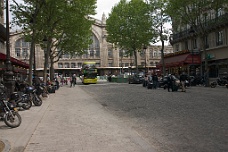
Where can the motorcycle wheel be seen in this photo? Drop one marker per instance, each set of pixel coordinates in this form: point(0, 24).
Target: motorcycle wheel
point(37, 100)
point(213, 85)
point(28, 105)
point(12, 119)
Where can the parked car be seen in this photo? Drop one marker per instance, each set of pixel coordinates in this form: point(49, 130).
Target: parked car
point(135, 79)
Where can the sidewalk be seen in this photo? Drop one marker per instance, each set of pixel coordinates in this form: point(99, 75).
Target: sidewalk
point(70, 120)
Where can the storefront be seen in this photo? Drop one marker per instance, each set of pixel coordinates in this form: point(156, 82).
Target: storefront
point(182, 61)
point(19, 68)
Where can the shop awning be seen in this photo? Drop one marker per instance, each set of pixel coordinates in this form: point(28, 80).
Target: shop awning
point(14, 61)
point(180, 60)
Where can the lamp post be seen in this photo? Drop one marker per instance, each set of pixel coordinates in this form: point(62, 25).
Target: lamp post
point(8, 74)
point(144, 48)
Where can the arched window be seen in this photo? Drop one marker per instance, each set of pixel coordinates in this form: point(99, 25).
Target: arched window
point(94, 47)
point(22, 48)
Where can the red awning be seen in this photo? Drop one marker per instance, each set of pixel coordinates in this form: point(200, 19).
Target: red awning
point(14, 61)
point(180, 60)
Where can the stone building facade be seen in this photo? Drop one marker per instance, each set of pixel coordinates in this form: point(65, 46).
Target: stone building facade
point(216, 44)
point(108, 58)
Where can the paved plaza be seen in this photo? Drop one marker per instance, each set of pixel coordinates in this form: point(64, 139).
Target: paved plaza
point(111, 117)
point(72, 121)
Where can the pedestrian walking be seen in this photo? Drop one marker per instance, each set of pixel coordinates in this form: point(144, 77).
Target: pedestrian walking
point(73, 80)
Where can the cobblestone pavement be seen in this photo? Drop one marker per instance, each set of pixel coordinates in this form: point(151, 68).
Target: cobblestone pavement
point(71, 120)
point(195, 121)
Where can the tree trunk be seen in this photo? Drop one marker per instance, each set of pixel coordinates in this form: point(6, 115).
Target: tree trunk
point(162, 59)
point(162, 51)
point(52, 70)
point(31, 57)
point(46, 57)
point(136, 61)
point(206, 69)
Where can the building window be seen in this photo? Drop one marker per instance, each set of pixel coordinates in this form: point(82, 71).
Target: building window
point(25, 52)
point(97, 64)
point(91, 53)
point(177, 47)
point(21, 48)
point(66, 56)
point(17, 52)
point(219, 38)
point(155, 54)
point(110, 64)
point(194, 44)
point(66, 65)
point(127, 64)
point(94, 47)
point(151, 53)
point(73, 65)
point(60, 65)
point(79, 64)
point(142, 54)
point(97, 54)
point(110, 53)
point(186, 45)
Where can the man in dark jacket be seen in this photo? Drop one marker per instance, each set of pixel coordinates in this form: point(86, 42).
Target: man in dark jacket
point(155, 81)
point(170, 82)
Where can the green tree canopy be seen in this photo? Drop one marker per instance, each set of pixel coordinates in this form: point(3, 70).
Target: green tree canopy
point(65, 24)
point(130, 26)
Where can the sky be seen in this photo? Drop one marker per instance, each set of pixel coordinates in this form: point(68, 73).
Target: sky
point(104, 6)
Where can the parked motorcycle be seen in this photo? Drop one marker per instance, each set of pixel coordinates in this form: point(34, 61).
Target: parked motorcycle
point(8, 111)
point(34, 95)
point(220, 82)
point(21, 99)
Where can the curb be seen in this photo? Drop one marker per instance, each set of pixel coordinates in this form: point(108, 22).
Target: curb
point(6, 145)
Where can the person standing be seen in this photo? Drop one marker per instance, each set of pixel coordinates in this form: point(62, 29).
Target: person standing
point(155, 81)
point(145, 80)
point(170, 82)
point(183, 78)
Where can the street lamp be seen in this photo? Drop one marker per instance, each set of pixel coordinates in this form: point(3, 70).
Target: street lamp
point(144, 48)
point(8, 74)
